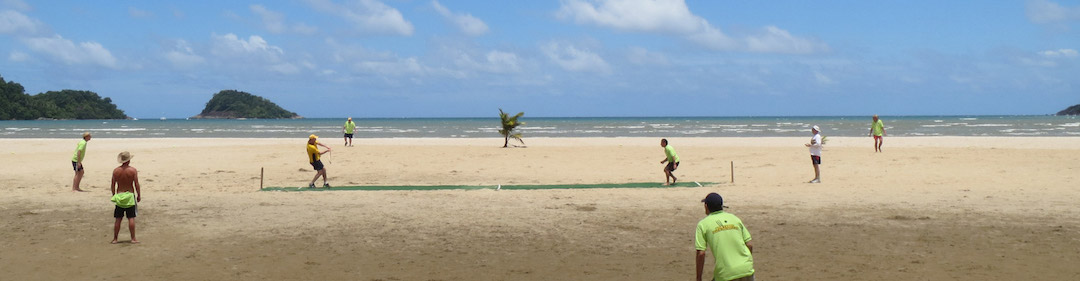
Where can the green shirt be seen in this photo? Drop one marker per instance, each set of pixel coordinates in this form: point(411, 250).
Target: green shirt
point(80, 151)
point(878, 127)
point(349, 126)
point(726, 235)
point(670, 152)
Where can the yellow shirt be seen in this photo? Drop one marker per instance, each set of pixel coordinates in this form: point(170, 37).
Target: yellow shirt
point(80, 150)
point(312, 153)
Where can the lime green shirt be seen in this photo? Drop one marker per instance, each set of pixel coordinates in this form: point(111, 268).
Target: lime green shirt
point(878, 128)
point(349, 127)
point(670, 152)
point(726, 235)
point(80, 151)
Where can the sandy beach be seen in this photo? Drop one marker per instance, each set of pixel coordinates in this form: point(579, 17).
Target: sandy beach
point(928, 208)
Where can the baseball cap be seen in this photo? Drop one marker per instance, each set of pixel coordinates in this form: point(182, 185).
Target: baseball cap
point(313, 136)
point(350, 118)
point(84, 134)
point(714, 201)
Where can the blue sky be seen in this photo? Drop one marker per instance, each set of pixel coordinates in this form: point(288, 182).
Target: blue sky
point(414, 58)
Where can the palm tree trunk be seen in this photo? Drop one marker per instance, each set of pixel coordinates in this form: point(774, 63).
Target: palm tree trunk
point(506, 141)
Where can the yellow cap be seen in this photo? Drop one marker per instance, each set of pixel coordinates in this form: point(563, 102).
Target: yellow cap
point(313, 136)
point(84, 134)
point(350, 118)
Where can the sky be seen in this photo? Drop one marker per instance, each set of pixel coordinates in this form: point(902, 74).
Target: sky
point(568, 58)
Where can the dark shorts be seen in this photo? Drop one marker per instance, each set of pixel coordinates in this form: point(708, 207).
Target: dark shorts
point(317, 165)
point(671, 166)
point(348, 136)
point(815, 159)
point(877, 138)
point(120, 212)
point(75, 166)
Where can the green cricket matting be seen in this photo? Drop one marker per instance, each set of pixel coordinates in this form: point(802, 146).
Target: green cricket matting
point(496, 187)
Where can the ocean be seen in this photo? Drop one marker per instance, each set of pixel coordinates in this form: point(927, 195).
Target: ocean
point(549, 127)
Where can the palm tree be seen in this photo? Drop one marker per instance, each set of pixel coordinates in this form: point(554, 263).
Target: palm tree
point(508, 125)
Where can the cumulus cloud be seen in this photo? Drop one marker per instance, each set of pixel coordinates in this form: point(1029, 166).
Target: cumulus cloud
point(1045, 11)
point(137, 13)
point(12, 22)
point(673, 17)
point(255, 47)
point(468, 24)
point(275, 22)
point(368, 16)
point(408, 66)
point(66, 51)
point(573, 59)
point(183, 55)
point(493, 61)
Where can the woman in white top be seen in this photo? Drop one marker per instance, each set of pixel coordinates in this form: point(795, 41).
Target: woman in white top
point(815, 153)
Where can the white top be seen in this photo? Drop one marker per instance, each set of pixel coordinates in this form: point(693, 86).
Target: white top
point(815, 145)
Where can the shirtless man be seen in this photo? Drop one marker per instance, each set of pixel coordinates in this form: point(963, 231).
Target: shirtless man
point(124, 179)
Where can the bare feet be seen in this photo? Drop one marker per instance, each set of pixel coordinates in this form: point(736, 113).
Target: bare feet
point(78, 190)
point(113, 241)
point(133, 241)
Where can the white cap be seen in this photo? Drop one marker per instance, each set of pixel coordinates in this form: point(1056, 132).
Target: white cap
point(816, 128)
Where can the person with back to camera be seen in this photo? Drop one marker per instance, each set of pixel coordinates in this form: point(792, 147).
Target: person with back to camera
point(729, 240)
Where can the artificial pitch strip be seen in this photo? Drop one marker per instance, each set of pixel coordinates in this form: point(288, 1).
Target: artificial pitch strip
point(495, 187)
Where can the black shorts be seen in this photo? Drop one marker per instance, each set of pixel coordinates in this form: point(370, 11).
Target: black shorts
point(348, 136)
point(815, 159)
point(120, 212)
point(317, 165)
point(671, 166)
point(75, 166)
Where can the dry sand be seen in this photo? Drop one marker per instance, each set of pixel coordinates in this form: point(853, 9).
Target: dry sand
point(928, 208)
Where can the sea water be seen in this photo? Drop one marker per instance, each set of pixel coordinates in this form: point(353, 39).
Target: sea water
point(549, 127)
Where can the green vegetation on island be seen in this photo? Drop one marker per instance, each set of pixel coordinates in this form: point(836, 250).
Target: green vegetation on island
point(229, 104)
point(15, 104)
point(509, 123)
point(1072, 110)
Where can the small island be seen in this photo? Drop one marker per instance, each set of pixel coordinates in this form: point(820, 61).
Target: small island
point(1072, 110)
point(233, 104)
point(65, 104)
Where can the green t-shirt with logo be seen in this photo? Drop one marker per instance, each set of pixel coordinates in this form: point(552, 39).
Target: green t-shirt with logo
point(726, 236)
point(878, 128)
point(670, 152)
point(349, 126)
point(80, 150)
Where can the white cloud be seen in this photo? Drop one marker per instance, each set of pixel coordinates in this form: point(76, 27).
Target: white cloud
point(1044, 11)
point(137, 13)
point(776, 40)
point(369, 16)
point(573, 59)
point(17, 56)
point(68, 52)
point(285, 68)
point(639, 55)
point(468, 24)
point(1059, 53)
point(231, 46)
point(12, 22)
point(673, 17)
point(183, 55)
point(493, 61)
point(275, 21)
